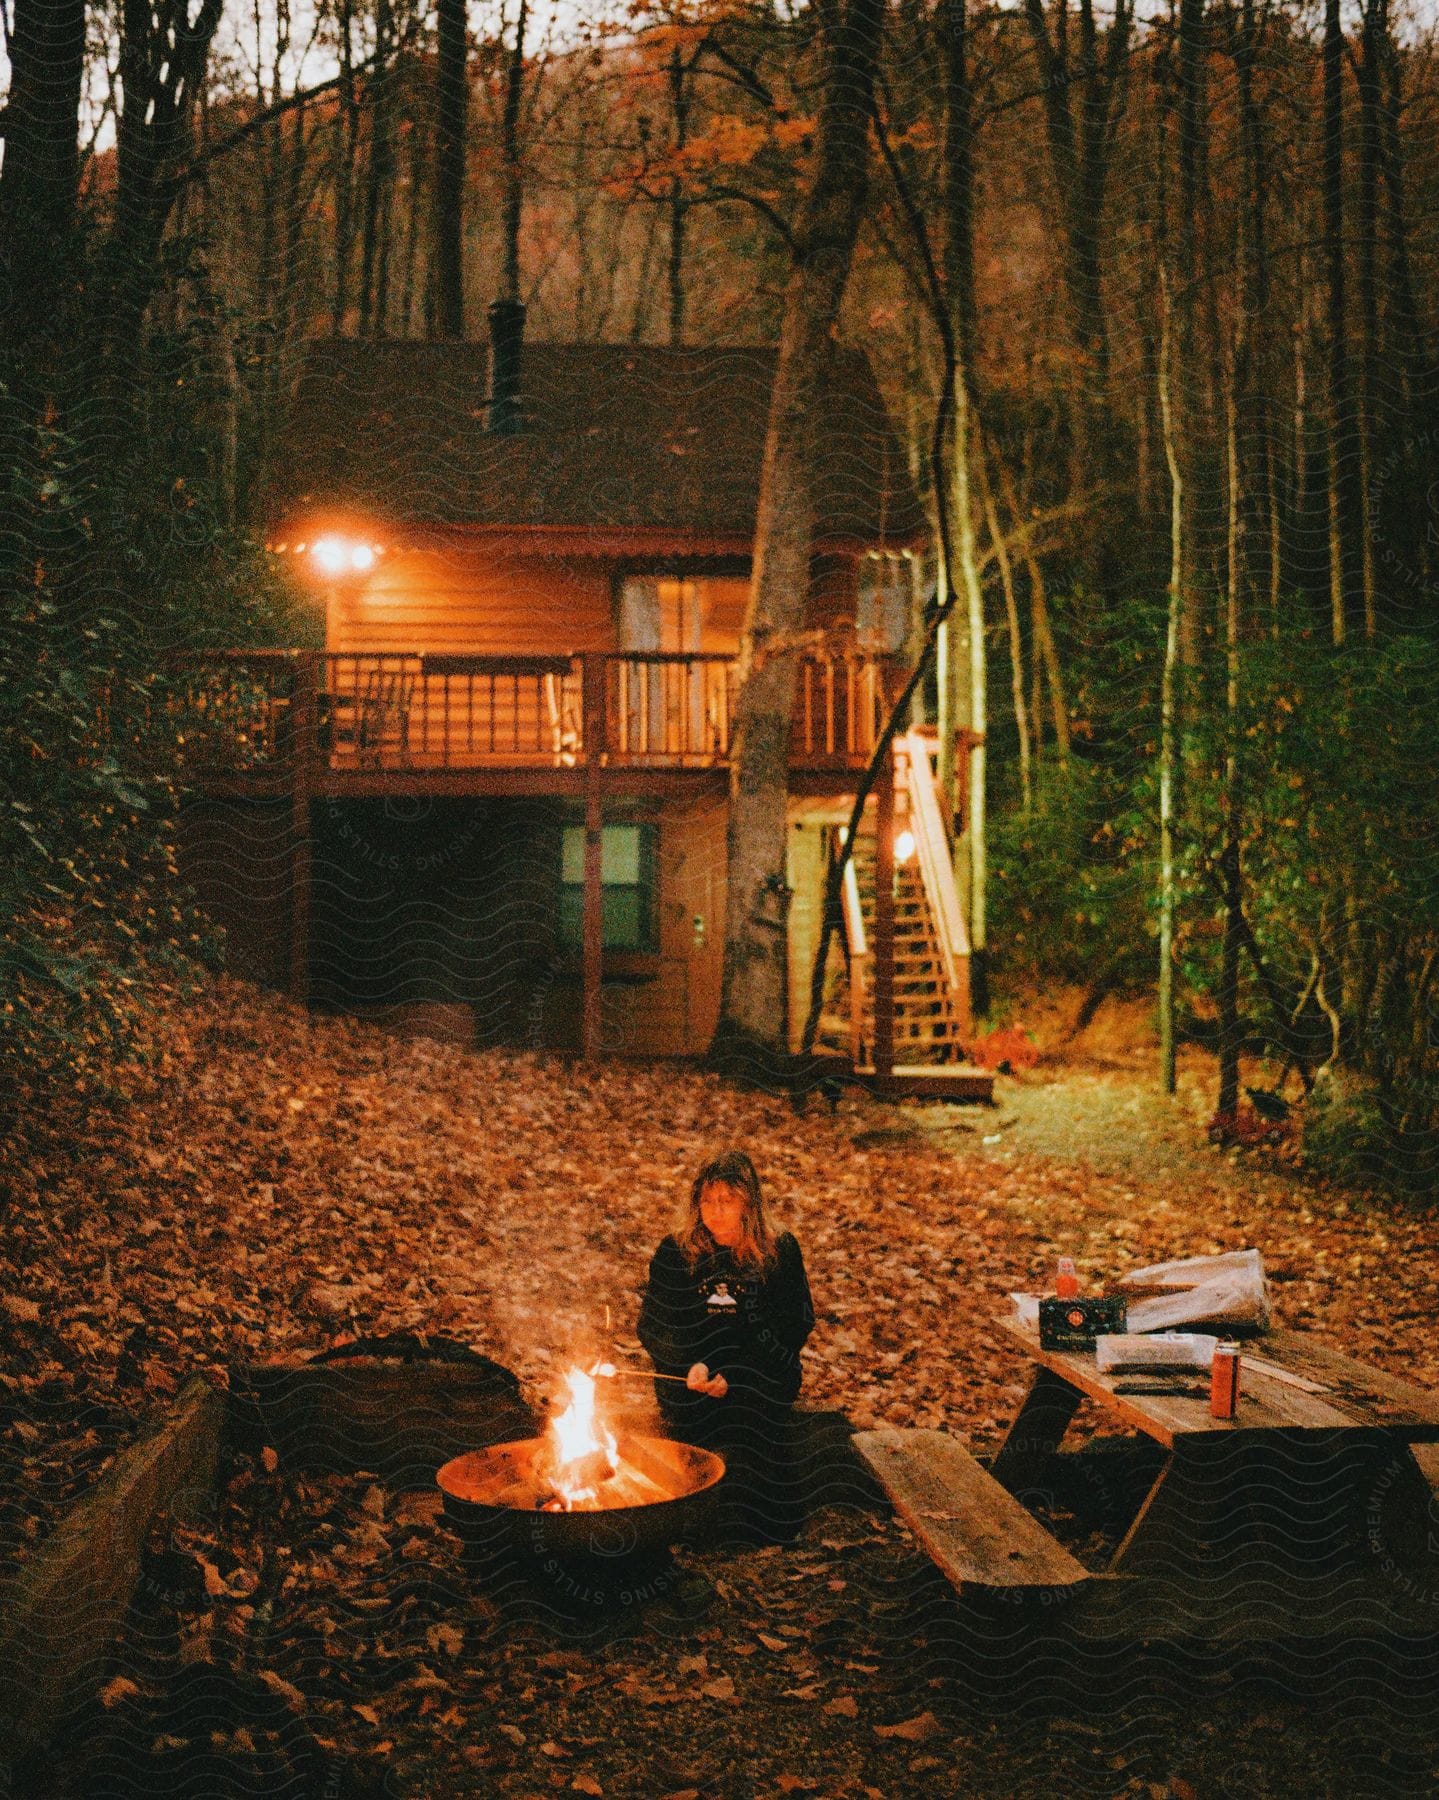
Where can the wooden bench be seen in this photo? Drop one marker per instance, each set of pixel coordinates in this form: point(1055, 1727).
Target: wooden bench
point(977, 1534)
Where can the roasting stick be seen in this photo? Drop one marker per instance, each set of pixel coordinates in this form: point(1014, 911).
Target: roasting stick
point(610, 1372)
point(1287, 1376)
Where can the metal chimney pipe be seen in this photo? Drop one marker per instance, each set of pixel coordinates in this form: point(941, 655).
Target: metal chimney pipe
point(507, 337)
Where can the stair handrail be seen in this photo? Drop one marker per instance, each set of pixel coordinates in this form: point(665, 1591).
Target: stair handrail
point(858, 945)
point(926, 823)
point(853, 912)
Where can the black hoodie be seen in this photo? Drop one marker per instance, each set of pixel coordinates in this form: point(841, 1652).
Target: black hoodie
point(744, 1325)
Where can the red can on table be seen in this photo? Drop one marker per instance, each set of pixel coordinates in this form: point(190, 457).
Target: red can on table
point(1224, 1381)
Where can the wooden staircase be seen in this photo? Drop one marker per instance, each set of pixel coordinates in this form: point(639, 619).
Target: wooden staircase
point(929, 1024)
point(931, 951)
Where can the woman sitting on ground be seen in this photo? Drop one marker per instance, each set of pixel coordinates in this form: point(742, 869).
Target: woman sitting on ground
point(727, 1307)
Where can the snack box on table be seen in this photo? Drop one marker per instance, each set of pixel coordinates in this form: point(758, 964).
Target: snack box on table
point(1074, 1324)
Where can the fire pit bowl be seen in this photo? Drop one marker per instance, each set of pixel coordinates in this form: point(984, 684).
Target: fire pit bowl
point(662, 1493)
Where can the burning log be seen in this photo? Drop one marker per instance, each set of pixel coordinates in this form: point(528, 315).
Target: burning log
point(580, 1472)
point(584, 1453)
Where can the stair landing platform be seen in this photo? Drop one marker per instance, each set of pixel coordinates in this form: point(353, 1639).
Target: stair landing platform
point(932, 1081)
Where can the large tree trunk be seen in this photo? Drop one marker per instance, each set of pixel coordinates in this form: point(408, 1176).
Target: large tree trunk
point(379, 183)
point(1169, 745)
point(1255, 449)
point(1403, 312)
point(292, 300)
point(1183, 383)
point(1367, 222)
point(753, 1013)
point(1232, 869)
point(417, 159)
point(678, 204)
point(1045, 652)
point(1402, 320)
point(1301, 484)
point(450, 116)
point(346, 139)
point(1016, 634)
point(163, 53)
point(513, 210)
point(38, 179)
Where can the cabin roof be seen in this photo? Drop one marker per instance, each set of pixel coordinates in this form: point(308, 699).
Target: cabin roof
point(616, 436)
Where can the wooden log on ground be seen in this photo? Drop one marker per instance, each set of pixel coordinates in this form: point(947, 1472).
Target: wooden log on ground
point(828, 1469)
point(401, 1421)
point(60, 1612)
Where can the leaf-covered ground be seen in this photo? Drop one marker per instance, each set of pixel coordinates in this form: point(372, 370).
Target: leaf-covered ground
point(274, 1182)
point(323, 1637)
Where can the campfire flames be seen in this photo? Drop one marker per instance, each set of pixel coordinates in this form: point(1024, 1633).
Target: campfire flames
point(579, 1465)
point(584, 1454)
point(576, 1470)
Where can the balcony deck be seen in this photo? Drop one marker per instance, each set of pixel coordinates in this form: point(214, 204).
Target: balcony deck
point(303, 725)
point(451, 723)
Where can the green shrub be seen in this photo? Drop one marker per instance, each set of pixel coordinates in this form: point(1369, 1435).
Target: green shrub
point(1345, 1136)
point(1067, 889)
point(1357, 1132)
point(112, 566)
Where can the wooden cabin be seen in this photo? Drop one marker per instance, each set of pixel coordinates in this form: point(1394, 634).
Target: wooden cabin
point(533, 563)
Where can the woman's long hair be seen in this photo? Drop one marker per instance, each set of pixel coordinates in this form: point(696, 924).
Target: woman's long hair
point(756, 1249)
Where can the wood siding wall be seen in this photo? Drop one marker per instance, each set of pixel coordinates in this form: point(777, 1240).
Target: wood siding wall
point(457, 592)
point(805, 870)
point(464, 594)
point(692, 888)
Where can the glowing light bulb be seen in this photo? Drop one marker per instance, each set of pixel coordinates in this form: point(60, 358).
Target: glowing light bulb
point(329, 553)
point(904, 846)
point(362, 557)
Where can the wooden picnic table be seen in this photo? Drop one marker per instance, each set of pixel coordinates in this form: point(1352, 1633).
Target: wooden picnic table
point(1314, 1477)
point(1310, 1513)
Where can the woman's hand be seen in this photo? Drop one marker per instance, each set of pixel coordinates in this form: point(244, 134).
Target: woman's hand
point(700, 1381)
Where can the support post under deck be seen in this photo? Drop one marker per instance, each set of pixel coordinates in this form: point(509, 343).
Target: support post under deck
point(303, 747)
point(592, 929)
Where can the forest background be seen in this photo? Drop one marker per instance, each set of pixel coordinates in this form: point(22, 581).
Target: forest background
point(1175, 268)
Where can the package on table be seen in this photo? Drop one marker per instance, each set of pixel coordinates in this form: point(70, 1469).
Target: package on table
point(1156, 1350)
point(1228, 1291)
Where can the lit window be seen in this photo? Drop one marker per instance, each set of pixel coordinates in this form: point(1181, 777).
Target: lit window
point(627, 887)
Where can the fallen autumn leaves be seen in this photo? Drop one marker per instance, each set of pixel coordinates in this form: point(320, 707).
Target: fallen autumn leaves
point(275, 1182)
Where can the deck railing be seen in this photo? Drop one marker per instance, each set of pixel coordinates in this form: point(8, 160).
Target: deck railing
point(444, 711)
point(372, 711)
point(839, 706)
point(669, 709)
